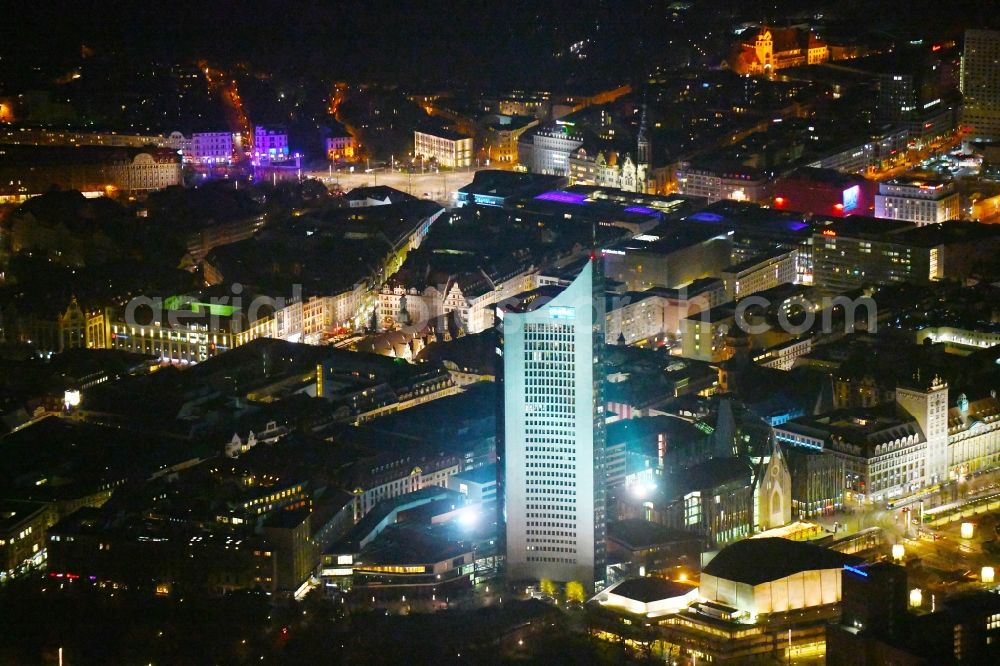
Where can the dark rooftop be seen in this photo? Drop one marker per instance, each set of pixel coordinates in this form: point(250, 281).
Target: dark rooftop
point(716, 472)
point(650, 589)
point(636, 533)
point(861, 226)
point(756, 561)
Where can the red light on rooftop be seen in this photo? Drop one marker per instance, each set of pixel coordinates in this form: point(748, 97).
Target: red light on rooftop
point(779, 201)
point(838, 206)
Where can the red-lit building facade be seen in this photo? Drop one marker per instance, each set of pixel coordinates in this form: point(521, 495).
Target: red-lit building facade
point(825, 192)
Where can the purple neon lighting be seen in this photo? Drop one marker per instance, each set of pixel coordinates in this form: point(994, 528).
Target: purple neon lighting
point(706, 217)
point(562, 197)
point(640, 209)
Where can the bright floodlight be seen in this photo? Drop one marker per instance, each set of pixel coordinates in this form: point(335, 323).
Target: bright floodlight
point(469, 517)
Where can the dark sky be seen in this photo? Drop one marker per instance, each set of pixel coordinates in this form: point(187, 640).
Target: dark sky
point(405, 39)
point(398, 34)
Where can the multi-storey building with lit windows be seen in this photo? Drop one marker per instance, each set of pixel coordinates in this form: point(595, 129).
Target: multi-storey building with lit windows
point(270, 144)
point(896, 449)
point(450, 149)
point(551, 437)
point(920, 201)
point(716, 181)
point(212, 148)
point(981, 84)
point(856, 251)
point(547, 151)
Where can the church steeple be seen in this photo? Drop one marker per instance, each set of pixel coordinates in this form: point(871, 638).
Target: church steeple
point(643, 153)
point(643, 147)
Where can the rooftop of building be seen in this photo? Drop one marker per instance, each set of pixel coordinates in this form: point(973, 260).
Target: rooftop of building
point(756, 260)
point(719, 313)
point(287, 520)
point(637, 534)
point(713, 473)
point(20, 155)
point(496, 182)
point(690, 290)
point(416, 544)
point(825, 176)
point(298, 252)
point(379, 192)
point(669, 238)
point(631, 430)
point(484, 475)
point(454, 420)
point(972, 604)
point(510, 123)
point(748, 217)
point(863, 426)
point(369, 523)
point(14, 512)
point(953, 231)
point(726, 169)
point(442, 133)
point(468, 353)
point(62, 458)
point(862, 226)
point(919, 181)
point(757, 561)
point(649, 589)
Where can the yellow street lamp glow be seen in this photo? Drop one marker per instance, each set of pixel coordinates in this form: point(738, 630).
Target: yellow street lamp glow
point(987, 575)
point(898, 551)
point(916, 597)
point(968, 529)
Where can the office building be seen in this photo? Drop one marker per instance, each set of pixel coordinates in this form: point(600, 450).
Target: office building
point(759, 273)
point(716, 181)
point(447, 148)
point(551, 437)
point(858, 250)
point(917, 200)
point(981, 85)
point(547, 151)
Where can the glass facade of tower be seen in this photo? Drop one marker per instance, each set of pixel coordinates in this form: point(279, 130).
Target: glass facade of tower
point(552, 441)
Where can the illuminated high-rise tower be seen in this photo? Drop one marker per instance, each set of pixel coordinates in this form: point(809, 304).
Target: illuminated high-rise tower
point(551, 492)
point(981, 85)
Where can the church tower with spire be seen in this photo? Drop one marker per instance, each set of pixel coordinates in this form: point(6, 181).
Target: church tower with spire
point(643, 153)
point(773, 490)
